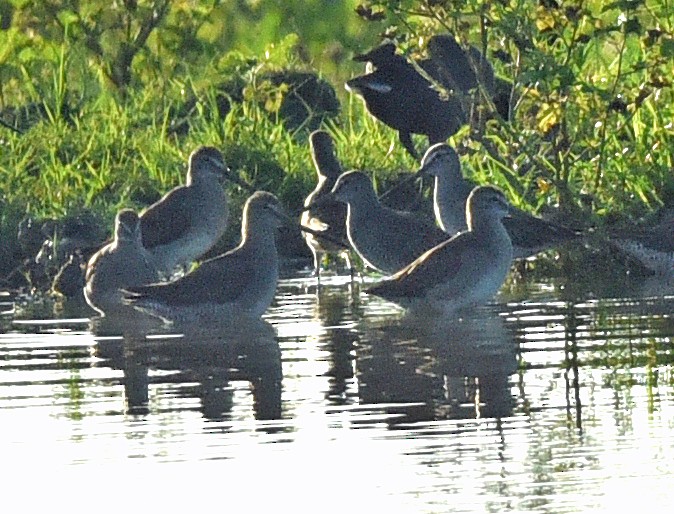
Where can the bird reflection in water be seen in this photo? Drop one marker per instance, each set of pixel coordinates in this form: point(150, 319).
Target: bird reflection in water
point(199, 361)
point(428, 368)
point(335, 311)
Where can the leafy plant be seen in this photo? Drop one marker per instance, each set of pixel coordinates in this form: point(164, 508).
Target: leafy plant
point(591, 99)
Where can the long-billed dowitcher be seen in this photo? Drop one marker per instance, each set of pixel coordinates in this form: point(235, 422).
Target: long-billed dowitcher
point(529, 234)
point(463, 271)
point(123, 262)
point(188, 220)
point(386, 239)
point(652, 246)
point(241, 281)
point(328, 217)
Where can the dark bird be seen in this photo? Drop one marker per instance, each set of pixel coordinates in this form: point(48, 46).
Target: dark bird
point(463, 71)
point(399, 96)
point(70, 279)
point(454, 67)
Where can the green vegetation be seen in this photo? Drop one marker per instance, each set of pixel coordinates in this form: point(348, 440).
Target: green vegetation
point(97, 89)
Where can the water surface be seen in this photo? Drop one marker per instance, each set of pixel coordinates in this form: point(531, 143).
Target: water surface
point(551, 399)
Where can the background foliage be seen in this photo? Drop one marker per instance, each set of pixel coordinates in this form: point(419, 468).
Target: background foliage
point(94, 88)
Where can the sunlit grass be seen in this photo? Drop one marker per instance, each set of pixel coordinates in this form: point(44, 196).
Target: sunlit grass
point(120, 148)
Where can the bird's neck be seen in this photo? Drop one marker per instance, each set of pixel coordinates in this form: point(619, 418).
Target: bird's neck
point(126, 242)
point(327, 166)
point(492, 232)
point(439, 198)
point(201, 180)
point(447, 188)
point(449, 204)
point(367, 206)
point(260, 236)
point(320, 185)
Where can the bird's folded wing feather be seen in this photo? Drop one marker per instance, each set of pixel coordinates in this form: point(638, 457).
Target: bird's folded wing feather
point(166, 220)
point(423, 230)
point(527, 230)
point(435, 266)
point(219, 280)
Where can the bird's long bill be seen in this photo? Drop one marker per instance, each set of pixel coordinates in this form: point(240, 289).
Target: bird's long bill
point(421, 172)
point(232, 177)
point(283, 216)
point(514, 212)
point(324, 236)
point(364, 57)
point(324, 200)
point(127, 233)
point(353, 85)
point(399, 184)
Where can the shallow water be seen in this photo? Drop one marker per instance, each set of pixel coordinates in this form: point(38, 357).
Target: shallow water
point(548, 400)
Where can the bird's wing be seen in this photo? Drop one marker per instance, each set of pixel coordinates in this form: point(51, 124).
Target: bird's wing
point(424, 231)
point(166, 220)
point(218, 280)
point(658, 239)
point(437, 265)
point(325, 207)
point(530, 231)
point(374, 81)
point(94, 264)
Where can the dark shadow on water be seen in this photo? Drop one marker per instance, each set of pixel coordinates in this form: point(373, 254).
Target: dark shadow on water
point(203, 361)
point(434, 368)
point(335, 311)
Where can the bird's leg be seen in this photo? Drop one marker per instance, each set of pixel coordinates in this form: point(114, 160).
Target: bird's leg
point(318, 257)
point(406, 140)
point(349, 265)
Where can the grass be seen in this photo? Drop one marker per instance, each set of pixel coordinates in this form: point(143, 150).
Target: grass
point(571, 140)
point(116, 153)
point(119, 153)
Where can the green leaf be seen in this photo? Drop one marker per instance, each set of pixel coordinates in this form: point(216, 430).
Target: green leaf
point(67, 17)
point(667, 48)
point(623, 5)
point(19, 3)
point(29, 54)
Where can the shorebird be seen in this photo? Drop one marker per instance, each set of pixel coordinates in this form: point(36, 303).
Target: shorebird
point(330, 216)
point(529, 234)
point(386, 239)
point(399, 96)
point(70, 280)
point(81, 232)
point(124, 262)
point(652, 247)
point(239, 282)
point(188, 220)
point(463, 271)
